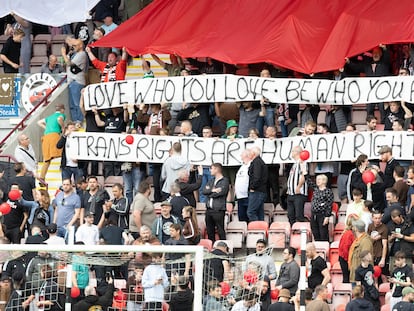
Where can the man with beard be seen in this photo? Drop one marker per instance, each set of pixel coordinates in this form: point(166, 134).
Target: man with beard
point(93, 200)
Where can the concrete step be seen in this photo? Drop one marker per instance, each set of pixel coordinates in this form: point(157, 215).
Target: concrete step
point(53, 177)
point(134, 70)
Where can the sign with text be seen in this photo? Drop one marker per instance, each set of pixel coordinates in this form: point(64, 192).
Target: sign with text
point(202, 151)
point(231, 88)
point(12, 108)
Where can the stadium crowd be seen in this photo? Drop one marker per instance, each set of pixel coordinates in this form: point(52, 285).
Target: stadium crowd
point(378, 232)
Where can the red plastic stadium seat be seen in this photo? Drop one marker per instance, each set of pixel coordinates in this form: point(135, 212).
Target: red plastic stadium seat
point(383, 289)
point(236, 232)
point(207, 244)
point(339, 229)
point(295, 239)
point(342, 294)
point(279, 233)
point(256, 230)
point(334, 252)
point(322, 248)
point(336, 274)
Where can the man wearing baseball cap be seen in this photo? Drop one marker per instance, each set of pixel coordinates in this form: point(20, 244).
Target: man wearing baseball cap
point(283, 302)
point(161, 225)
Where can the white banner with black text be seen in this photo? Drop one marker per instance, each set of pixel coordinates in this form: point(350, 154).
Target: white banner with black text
point(202, 151)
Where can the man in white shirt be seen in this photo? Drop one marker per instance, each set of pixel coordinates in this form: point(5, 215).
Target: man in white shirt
point(88, 233)
point(241, 186)
point(25, 153)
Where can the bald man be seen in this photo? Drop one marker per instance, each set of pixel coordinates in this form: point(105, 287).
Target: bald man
point(52, 66)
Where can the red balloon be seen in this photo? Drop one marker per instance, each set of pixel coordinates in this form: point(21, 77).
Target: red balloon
point(5, 208)
point(14, 195)
point(225, 288)
point(274, 294)
point(304, 155)
point(368, 177)
point(120, 295)
point(74, 292)
point(250, 277)
point(129, 139)
point(377, 271)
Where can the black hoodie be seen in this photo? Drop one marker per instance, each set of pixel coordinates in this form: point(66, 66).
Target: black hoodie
point(360, 304)
point(182, 300)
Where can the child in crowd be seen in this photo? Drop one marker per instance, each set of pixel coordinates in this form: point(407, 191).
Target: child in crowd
point(357, 205)
point(401, 276)
point(366, 215)
point(212, 301)
point(364, 275)
point(135, 290)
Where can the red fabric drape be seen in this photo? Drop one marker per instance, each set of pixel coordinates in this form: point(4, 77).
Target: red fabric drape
point(304, 35)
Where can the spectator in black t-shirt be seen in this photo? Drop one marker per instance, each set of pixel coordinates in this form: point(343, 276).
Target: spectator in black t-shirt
point(401, 276)
point(364, 275)
point(177, 202)
point(386, 156)
point(219, 264)
point(393, 112)
point(26, 182)
point(115, 122)
point(15, 221)
point(319, 273)
point(10, 54)
point(90, 127)
point(183, 299)
point(400, 236)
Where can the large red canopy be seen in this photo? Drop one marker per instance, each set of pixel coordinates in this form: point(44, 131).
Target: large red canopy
point(304, 35)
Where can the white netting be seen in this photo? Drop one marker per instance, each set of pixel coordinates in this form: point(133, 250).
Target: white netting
point(220, 286)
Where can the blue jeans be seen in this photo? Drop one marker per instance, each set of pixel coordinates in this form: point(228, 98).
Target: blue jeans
point(62, 232)
point(132, 180)
point(68, 172)
point(74, 99)
point(284, 128)
point(268, 120)
point(206, 178)
point(242, 205)
point(255, 208)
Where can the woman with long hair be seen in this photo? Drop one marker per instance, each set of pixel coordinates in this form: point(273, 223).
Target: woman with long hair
point(345, 243)
point(191, 231)
point(42, 215)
